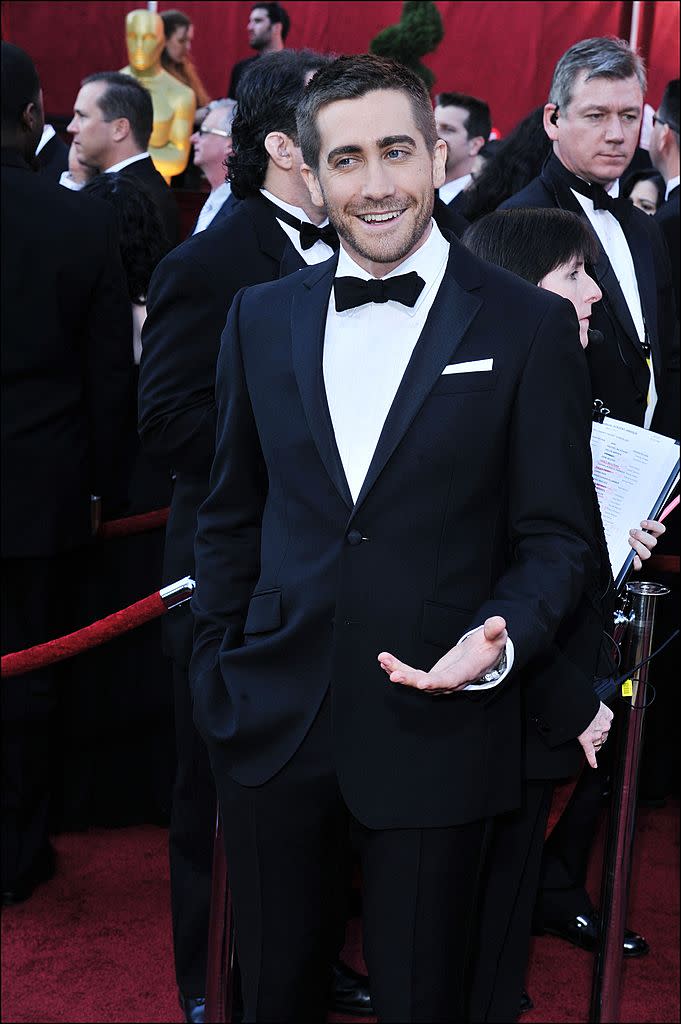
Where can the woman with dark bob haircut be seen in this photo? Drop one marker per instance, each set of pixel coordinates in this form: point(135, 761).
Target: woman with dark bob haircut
point(554, 250)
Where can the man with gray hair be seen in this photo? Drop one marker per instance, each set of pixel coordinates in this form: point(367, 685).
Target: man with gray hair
point(212, 143)
point(593, 118)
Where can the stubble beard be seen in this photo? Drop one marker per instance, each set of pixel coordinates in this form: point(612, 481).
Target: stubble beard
point(383, 250)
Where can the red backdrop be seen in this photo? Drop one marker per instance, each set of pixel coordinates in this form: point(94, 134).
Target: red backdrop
point(504, 51)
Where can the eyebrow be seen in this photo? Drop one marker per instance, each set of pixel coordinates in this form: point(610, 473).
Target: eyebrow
point(606, 110)
point(387, 140)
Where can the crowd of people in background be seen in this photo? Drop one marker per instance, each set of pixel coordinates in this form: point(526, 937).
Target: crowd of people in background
point(111, 355)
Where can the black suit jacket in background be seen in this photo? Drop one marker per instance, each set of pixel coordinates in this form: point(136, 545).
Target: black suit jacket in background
point(53, 158)
point(619, 373)
point(667, 217)
point(237, 72)
point(66, 362)
point(143, 171)
point(477, 501)
point(189, 298)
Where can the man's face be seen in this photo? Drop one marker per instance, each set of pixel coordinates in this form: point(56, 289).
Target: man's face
point(376, 177)
point(180, 43)
point(451, 126)
point(211, 149)
point(259, 29)
point(596, 136)
point(92, 135)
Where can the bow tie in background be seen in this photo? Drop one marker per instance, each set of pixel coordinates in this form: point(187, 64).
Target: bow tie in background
point(350, 292)
point(309, 233)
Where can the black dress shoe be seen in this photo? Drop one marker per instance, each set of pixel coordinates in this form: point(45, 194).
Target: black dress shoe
point(42, 871)
point(526, 1003)
point(193, 1008)
point(582, 931)
point(349, 991)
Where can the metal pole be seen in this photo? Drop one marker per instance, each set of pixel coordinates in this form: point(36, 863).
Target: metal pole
point(617, 860)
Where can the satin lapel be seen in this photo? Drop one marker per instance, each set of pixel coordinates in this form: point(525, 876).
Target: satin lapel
point(449, 319)
point(308, 324)
point(291, 260)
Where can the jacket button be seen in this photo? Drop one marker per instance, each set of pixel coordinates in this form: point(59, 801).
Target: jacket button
point(354, 537)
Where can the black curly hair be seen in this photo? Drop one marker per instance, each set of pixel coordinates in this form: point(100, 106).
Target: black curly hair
point(141, 237)
point(269, 94)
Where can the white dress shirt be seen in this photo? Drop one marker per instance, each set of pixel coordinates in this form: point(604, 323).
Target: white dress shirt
point(126, 163)
point(215, 200)
point(48, 133)
point(381, 339)
point(613, 240)
point(451, 189)
point(317, 253)
point(671, 185)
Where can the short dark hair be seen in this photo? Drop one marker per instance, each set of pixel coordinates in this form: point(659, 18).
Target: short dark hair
point(125, 97)
point(269, 93)
point(669, 107)
point(141, 237)
point(172, 20)
point(277, 16)
point(20, 85)
point(478, 121)
point(348, 78)
point(531, 242)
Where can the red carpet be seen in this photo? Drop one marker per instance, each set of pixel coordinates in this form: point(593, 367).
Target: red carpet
point(94, 943)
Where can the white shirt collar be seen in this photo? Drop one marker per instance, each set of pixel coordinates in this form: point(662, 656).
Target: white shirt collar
point(427, 261)
point(671, 185)
point(219, 195)
point(451, 189)
point(48, 133)
point(295, 211)
point(125, 163)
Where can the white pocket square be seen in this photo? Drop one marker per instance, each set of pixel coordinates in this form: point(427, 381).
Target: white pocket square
point(474, 366)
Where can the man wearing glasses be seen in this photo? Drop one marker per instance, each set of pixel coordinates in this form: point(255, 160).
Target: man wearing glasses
point(212, 144)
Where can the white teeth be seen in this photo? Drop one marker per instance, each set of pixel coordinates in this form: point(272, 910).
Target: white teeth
point(371, 217)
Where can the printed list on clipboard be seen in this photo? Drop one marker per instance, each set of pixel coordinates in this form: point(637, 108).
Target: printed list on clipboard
point(634, 472)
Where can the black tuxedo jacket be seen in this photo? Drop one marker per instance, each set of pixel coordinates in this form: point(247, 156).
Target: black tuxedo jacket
point(190, 295)
point(477, 501)
point(53, 158)
point(618, 368)
point(66, 362)
point(144, 172)
point(668, 219)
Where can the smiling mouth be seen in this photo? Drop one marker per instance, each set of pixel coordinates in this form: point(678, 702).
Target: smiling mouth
point(380, 218)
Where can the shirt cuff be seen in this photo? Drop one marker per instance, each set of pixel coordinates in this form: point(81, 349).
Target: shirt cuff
point(495, 675)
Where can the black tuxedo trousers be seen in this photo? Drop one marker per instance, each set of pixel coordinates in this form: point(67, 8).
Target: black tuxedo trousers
point(285, 844)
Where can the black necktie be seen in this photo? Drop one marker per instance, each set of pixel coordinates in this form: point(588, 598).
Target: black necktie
point(309, 233)
point(353, 291)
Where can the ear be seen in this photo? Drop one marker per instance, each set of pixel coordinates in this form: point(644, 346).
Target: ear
point(313, 186)
point(30, 116)
point(120, 129)
point(551, 117)
point(475, 145)
point(280, 148)
point(439, 163)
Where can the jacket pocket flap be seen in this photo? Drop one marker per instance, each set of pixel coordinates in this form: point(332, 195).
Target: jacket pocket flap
point(444, 625)
point(264, 612)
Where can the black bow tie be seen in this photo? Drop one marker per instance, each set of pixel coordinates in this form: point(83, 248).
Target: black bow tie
point(309, 233)
point(353, 291)
point(619, 207)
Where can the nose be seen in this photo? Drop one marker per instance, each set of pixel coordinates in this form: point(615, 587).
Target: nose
point(194, 138)
point(71, 126)
point(613, 129)
point(591, 292)
point(377, 182)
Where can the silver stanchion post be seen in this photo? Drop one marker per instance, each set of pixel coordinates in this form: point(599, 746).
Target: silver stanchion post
point(639, 619)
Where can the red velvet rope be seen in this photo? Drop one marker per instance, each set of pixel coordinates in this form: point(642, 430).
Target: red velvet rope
point(134, 524)
point(90, 636)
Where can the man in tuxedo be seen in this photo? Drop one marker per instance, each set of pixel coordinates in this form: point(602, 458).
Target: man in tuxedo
point(268, 26)
point(373, 494)
point(593, 118)
point(212, 142)
point(664, 153)
point(67, 396)
point(113, 118)
point(272, 230)
point(464, 123)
